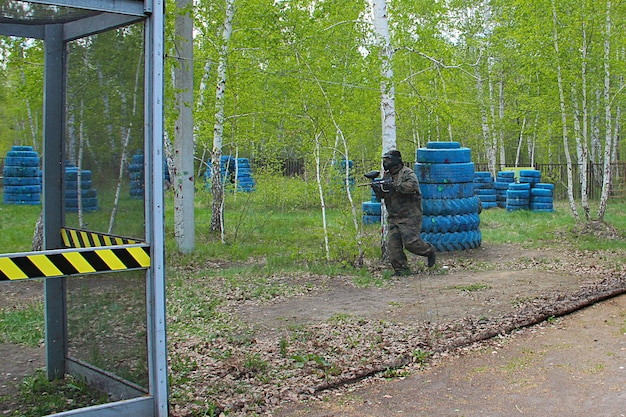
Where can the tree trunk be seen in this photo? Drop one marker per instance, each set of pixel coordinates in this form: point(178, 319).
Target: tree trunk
point(608, 144)
point(183, 174)
point(568, 157)
point(217, 184)
point(387, 89)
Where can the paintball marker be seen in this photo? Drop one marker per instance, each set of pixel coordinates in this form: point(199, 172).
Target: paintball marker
point(374, 180)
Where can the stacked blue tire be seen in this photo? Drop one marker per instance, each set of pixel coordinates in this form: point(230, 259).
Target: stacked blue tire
point(21, 176)
point(372, 210)
point(136, 174)
point(484, 189)
point(88, 194)
point(245, 181)
point(501, 185)
point(518, 196)
point(542, 197)
point(450, 208)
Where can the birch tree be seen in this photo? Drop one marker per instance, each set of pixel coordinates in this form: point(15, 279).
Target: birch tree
point(387, 90)
point(217, 184)
point(183, 172)
point(608, 117)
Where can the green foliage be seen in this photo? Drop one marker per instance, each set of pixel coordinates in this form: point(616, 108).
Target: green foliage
point(22, 325)
point(39, 396)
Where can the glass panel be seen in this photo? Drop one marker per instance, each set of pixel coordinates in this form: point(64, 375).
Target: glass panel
point(106, 323)
point(104, 173)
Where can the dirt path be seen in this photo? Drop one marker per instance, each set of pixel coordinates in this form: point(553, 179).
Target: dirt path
point(571, 366)
point(575, 367)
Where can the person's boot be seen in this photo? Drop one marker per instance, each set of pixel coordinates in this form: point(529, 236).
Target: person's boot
point(402, 272)
point(432, 258)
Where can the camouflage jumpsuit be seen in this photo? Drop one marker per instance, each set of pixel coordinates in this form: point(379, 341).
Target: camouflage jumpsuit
point(404, 208)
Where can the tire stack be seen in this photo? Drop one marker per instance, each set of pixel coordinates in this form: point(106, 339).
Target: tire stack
point(136, 174)
point(22, 176)
point(542, 197)
point(450, 208)
point(530, 176)
point(484, 189)
point(372, 210)
point(88, 195)
point(245, 181)
point(503, 179)
point(518, 196)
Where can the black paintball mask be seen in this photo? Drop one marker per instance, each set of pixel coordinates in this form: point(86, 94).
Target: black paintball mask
point(392, 161)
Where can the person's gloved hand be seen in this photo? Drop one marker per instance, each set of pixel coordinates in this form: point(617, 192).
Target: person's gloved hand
point(383, 186)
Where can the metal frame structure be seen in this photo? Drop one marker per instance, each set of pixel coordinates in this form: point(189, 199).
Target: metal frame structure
point(77, 19)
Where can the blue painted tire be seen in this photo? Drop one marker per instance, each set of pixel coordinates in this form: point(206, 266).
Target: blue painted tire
point(544, 185)
point(449, 207)
point(519, 186)
point(513, 194)
point(517, 201)
point(541, 206)
point(489, 205)
point(484, 191)
point(535, 173)
point(373, 209)
point(22, 189)
point(368, 219)
point(8, 171)
point(489, 198)
point(90, 193)
point(499, 185)
point(541, 192)
point(87, 202)
point(443, 145)
point(541, 200)
point(445, 173)
point(528, 180)
point(73, 185)
point(451, 191)
point(72, 175)
point(14, 161)
point(450, 224)
point(443, 156)
point(445, 242)
point(21, 148)
point(15, 181)
point(22, 154)
point(506, 174)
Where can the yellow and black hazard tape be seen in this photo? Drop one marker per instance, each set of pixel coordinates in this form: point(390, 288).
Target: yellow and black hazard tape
point(67, 262)
point(76, 238)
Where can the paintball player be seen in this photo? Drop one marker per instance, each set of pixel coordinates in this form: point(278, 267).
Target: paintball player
point(403, 201)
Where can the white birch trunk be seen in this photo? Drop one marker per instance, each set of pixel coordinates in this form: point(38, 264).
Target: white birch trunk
point(581, 153)
point(583, 157)
point(492, 145)
point(217, 185)
point(387, 102)
point(568, 157)
point(608, 144)
point(520, 141)
point(183, 175)
point(501, 115)
point(125, 141)
point(484, 117)
point(387, 89)
point(320, 188)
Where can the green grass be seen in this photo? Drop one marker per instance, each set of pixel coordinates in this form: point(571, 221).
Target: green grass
point(39, 397)
point(22, 325)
